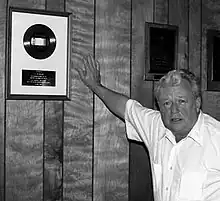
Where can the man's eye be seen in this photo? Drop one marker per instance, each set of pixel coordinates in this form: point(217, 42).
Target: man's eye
point(167, 103)
point(182, 101)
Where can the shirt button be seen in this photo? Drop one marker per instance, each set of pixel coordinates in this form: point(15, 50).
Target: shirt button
point(171, 168)
point(166, 188)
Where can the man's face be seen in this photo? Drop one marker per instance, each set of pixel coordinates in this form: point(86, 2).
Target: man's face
point(179, 108)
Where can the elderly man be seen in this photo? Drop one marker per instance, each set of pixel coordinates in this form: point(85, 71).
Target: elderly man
point(183, 142)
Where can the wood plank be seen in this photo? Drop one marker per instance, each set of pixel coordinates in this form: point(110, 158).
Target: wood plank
point(210, 20)
point(53, 150)
point(32, 4)
point(142, 11)
point(24, 145)
point(178, 15)
point(195, 36)
point(55, 5)
point(2, 95)
point(110, 143)
point(140, 172)
point(211, 104)
point(161, 15)
point(161, 12)
point(24, 141)
point(53, 139)
point(78, 113)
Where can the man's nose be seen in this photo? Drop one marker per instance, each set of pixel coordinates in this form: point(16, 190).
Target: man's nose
point(174, 108)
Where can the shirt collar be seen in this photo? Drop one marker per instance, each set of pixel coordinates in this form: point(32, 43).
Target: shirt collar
point(195, 133)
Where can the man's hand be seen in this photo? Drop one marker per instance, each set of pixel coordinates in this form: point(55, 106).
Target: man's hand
point(90, 72)
point(90, 75)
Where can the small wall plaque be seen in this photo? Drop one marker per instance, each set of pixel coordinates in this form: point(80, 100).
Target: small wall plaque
point(160, 49)
point(213, 60)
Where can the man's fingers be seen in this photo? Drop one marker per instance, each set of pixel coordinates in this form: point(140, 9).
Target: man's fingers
point(87, 65)
point(91, 63)
point(80, 72)
point(98, 66)
point(85, 61)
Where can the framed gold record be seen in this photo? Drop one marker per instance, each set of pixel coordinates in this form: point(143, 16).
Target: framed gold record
point(38, 54)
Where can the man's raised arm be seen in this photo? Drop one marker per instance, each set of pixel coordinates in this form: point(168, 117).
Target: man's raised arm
point(90, 75)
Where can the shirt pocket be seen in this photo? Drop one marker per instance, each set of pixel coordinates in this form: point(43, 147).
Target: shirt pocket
point(191, 186)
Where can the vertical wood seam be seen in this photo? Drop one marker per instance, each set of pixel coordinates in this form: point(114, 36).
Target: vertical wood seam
point(154, 10)
point(168, 11)
point(63, 117)
point(201, 45)
point(62, 143)
point(93, 100)
point(5, 102)
point(130, 90)
point(43, 147)
point(45, 4)
point(188, 32)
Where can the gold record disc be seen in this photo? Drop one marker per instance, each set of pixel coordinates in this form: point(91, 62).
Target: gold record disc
point(39, 41)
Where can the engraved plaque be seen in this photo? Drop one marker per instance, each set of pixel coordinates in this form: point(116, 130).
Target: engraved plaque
point(38, 78)
point(161, 46)
point(216, 59)
point(213, 60)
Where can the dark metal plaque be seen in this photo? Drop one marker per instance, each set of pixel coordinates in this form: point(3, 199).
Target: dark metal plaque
point(213, 60)
point(38, 78)
point(216, 59)
point(161, 47)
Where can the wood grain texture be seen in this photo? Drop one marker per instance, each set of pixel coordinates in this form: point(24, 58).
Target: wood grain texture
point(211, 104)
point(142, 11)
point(140, 171)
point(210, 20)
point(110, 143)
point(195, 36)
point(178, 15)
point(24, 151)
point(2, 95)
point(161, 16)
point(55, 5)
point(53, 139)
point(24, 141)
point(32, 4)
point(161, 12)
point(78, 113)
point(53, 150)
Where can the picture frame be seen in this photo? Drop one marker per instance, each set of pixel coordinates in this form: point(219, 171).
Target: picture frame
point(38, 54)
point(161, 45)
point(213, 60)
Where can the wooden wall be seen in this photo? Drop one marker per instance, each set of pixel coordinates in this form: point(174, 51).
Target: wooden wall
point(112, 49)
point(77, 150)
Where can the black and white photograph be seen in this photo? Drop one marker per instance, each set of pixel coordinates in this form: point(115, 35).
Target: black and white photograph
point(110, 100)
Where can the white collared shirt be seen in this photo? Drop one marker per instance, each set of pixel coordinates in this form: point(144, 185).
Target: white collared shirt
point(185, 171)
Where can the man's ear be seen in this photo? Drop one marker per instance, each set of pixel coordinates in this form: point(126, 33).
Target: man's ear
point(156, 104)
point(198, 103)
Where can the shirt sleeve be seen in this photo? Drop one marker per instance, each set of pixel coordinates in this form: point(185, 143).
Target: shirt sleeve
point(142, 124)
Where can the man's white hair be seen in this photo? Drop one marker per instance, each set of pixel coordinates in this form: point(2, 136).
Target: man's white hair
point(174, 77)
